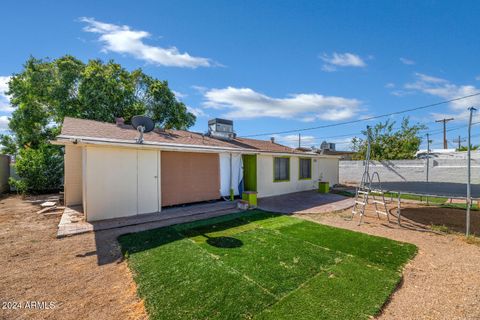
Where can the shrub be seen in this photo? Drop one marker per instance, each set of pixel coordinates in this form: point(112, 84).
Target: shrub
point(40, 170)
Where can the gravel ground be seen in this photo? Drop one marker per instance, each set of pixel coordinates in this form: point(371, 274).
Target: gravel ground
point(35, 266)
point(85, 277)
point(441, 282)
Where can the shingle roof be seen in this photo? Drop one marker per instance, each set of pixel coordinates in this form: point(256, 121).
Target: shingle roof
point(73, 127)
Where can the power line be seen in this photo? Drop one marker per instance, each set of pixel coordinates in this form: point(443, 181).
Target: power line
point(353, 134)
point(459, 140)
point(364, 119)
point(361, 132)
point(431, 133)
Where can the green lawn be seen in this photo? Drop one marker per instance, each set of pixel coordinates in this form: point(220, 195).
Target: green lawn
point(264, 266)
point(388, 195)
point(435, 200)
point(462, 206)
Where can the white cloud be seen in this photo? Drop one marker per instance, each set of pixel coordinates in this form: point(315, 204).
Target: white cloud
point(342, 144)
point(401, 93)
point(199, 89)
point(198, 112)
point(245, 103)
point(407, 61)
point(4, 123)
point(4, 84)
point(123, 39)
point(179, 95)
point(4, 99)
point(446, 90)
point(291, 140)
point(429, 79)
point(335, 60)
point(390, 85)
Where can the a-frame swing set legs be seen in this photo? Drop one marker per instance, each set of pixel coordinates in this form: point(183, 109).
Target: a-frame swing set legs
point(365, 194)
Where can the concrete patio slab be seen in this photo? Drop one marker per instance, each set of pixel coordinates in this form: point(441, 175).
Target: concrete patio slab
point(305, 202)
point(73, 220)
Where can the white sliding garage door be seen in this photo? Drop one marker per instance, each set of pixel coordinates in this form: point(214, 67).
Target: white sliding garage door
point(120, 182)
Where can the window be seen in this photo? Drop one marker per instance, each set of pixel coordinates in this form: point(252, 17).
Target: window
point(281, 169)
point(305, 171)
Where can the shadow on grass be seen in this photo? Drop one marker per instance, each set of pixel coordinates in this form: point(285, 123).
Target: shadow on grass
point(224, 242)
point(135, 238)
point(146, 240)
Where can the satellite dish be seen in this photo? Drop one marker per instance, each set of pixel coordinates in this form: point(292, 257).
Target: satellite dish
point(142, 121)
point(142, 124)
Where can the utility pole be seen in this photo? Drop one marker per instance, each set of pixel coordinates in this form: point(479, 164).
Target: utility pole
point(469, 198)
point(459, 140)
point(428, 154)
point(299, 140)
point(444, 120)
point(428, 159)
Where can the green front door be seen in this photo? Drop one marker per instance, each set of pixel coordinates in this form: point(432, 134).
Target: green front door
point(250, 172)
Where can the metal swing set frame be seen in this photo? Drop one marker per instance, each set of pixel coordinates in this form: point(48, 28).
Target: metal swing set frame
point(370, 189)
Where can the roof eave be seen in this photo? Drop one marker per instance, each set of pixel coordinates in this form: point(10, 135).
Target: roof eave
point(79, 140)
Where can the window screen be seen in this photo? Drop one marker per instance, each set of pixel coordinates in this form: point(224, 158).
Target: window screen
point(305, 168)
point(281, 169)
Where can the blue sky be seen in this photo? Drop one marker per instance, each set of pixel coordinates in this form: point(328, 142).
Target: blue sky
point(271, 65)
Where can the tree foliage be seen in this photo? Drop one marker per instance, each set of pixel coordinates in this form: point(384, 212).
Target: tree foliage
point(472, 147)
point(46, 91)
point(387, 143)
point(41, 170)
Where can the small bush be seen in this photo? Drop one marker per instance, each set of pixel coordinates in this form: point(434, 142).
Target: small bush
point(442, 228)
point(39, 170)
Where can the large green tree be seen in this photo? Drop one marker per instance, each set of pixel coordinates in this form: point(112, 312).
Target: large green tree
point(46, 91)
point(388, 143)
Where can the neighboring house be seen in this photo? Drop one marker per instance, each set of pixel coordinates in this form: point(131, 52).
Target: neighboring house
point(343, 155)
point(112, 175)
point(329, 148)
point(446, 154)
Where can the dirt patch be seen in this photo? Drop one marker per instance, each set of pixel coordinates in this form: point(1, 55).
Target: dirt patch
point(36, 266)
point(453, 219)
point(85, 277)
point(442, 281)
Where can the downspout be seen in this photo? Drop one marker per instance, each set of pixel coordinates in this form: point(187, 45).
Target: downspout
point(232, 192)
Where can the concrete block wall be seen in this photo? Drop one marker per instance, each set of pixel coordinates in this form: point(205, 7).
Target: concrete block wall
point(440, 170)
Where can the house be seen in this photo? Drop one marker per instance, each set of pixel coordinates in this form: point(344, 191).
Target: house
point(446, 154)
point(112, 175)
point(343, 155)
point(329, 148)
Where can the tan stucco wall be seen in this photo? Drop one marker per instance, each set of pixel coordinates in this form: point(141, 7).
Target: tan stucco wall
point(267, 187)
point(189, 177)
point(329, 170)
point(121, 182)
point(73, 175)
